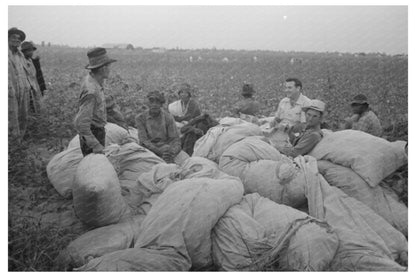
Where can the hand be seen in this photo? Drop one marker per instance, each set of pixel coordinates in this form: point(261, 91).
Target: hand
point(199, 132)
point(165, 148)
point(98, 149)
point(298, 128)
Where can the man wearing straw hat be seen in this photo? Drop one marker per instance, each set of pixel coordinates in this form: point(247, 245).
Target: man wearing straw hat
point(91, 117)
point(308, 139)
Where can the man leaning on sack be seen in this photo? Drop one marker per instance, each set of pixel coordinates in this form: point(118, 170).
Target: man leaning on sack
point(92, 117)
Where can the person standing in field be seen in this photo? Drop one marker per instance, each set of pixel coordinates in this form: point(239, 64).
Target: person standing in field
point(18, 86)
point(309, 138)
point(92, 117)
point(157, 130)
point(28, 49)
point(363, 118)
point(247, 105)
point(35, 93)
point(289, 111)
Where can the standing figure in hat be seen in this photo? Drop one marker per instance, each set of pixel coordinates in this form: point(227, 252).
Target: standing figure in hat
point(92, 117)
point(157, 129)
point(363, 118)
point(247, 105)
point(309, 138)
point(19, 87)
point(28, 48)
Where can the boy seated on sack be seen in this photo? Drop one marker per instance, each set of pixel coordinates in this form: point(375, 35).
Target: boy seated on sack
point(157, 129)
point(309, 138)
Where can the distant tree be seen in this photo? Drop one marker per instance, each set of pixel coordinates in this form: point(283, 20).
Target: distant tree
point(43, 44)
point(49, 44)
point(130, 46)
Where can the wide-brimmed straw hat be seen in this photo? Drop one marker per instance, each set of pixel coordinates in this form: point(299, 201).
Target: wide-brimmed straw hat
point(14, 30)
point(316, 105)
point(28, 45)
point(359, 99)
point(98, 57)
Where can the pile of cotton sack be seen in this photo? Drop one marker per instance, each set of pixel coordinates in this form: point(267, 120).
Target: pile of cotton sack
point(236, 205)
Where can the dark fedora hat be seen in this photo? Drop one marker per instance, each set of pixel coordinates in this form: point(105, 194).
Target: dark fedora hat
point(98, 57)
point(14, 30)
point(28, 45)
point(359, 99)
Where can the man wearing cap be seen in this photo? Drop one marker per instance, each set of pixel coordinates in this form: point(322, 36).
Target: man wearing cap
point(28, 48)
point(247, 105)
point(91, 117)
point(289, 111)
point(19, 87)
point(363, 118)
point(309, 138)
point(35, 92)
point(157, 129)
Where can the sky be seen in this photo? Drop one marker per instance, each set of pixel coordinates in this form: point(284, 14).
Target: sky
point(281, 28)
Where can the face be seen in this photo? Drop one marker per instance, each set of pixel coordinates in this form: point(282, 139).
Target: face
point(184, 96)
point(28, 53)
point(105, 71)
point(14, 41)
point(154, 105)
point(291, 89)
point(313, 118)
point(358, 108)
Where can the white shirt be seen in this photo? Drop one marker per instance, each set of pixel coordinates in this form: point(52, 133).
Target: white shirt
point(289, 114)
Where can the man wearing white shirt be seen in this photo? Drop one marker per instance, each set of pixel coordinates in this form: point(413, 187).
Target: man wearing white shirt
point(289, 111)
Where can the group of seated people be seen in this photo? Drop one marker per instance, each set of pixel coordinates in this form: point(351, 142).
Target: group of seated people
point(168, 131)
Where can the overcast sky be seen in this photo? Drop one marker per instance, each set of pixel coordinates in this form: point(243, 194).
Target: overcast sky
point(297, 28)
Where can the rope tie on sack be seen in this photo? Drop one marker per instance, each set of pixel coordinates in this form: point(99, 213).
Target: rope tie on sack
point(269, 260)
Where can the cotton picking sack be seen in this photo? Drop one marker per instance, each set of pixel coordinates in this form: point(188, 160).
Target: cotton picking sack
point(130, 161)
point(99, 242)
point(372, 158)
point(97, 194)
point(367, 241)
point(384, 202)
point(264, 170)
point(154, 182)
point(213, 144)
point(236, 158)
point(198, 167)
point(61, 170)
point(176, 234)
point(259, 234)
point(184, 214)
point(113, 134)
point(139, 259)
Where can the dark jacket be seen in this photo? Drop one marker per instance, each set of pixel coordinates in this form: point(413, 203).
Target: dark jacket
point(39, 74)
